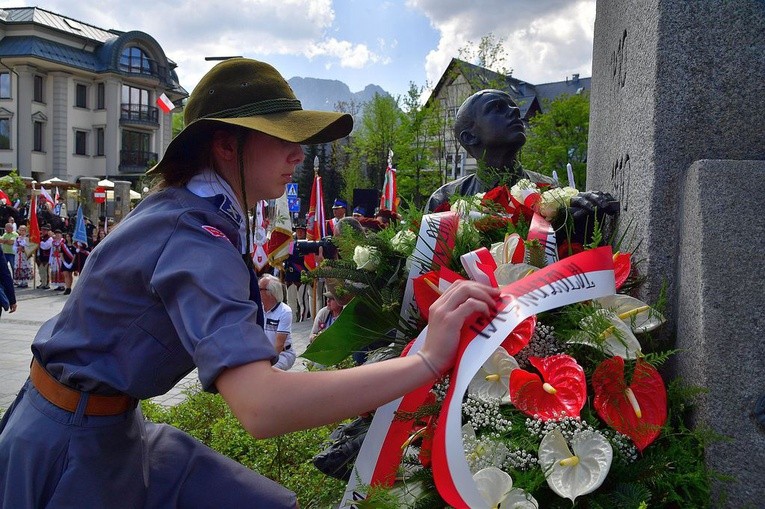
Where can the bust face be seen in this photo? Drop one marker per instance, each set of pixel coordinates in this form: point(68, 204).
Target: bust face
point(497, 122)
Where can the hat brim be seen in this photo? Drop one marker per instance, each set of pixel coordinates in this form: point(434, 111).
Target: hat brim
point(306, 127)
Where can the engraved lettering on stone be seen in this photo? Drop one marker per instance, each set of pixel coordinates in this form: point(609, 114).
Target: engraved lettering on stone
point(618, 63)
point(620, 180)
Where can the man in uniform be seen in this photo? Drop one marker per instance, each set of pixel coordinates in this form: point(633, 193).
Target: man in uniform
point(338, 210)
point(43, 256)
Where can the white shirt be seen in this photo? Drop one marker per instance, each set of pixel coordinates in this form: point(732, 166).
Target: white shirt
point(279, 319)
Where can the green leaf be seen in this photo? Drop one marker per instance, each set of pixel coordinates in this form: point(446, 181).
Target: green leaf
point(357, 326)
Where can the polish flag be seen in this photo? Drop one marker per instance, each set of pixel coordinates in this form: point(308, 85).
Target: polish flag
point(316, 224)
point(165, 104)
point(45, 195)
point(4, 197)
point(389, 197)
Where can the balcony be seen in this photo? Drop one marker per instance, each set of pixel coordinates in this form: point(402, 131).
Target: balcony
point(144, 69)
point(136, 161)
point(139, 114)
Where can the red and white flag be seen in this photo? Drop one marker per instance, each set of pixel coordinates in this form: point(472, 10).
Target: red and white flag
point(4, 197)
point(45, 195)
point(281, 233)
point(316, 226)
point(260, 239)
point(57, 196)
point(165, 104)
point(389, 198)
point(34, 227)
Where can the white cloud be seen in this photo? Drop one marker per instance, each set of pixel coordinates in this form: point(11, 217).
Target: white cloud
point(545, 40)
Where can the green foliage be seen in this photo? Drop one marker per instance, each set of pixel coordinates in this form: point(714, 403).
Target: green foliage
point(13, 185)
point(285, 459)
point(559, 136)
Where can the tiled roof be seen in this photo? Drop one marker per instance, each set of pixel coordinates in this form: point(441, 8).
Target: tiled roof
point(30, 46)
point(55, 21)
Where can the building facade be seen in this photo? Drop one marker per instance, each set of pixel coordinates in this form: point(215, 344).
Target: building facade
point(80, 101)
point(462, 79)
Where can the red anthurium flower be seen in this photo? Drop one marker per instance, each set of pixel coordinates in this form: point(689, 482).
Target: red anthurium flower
point(499, 195)
point(622, 267)
point(638, 410)
point(562, 388)
point(520, 336)
point(429, 286)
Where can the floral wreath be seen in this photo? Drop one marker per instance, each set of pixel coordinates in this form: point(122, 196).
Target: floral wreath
point(570, 408)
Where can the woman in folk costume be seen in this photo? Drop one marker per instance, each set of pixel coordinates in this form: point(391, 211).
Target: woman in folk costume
point(23, 271)
point(74, 267)
point(59, 254)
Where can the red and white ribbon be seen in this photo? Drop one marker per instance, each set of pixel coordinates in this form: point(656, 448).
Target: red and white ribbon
point(541, 230)
point(480, 266)
point(584, 276)
point(435, 243)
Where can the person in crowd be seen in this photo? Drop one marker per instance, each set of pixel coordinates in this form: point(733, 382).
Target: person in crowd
point(42, 259)
point(141, 319)
point(326, 315)
point(7, 292)
point(99, 235)
point(359, 212)
point(59, 254)
point(278, 320)
point(12, 221)
point(304, 291)
point(73, 268)
point(8, 240)
point(23, 271)
point(294, 267)
point(339, 208)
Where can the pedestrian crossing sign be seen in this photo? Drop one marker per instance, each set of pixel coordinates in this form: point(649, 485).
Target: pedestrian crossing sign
point(292, 189)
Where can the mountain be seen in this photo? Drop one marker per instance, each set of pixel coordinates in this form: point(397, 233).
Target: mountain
point(323, 95)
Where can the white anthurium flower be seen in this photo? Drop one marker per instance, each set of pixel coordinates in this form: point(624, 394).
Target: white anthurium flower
point(616, 339)
point(496, 487)
point(634, 312)
point(507, 273)
point(493, 378)
point(583, 471)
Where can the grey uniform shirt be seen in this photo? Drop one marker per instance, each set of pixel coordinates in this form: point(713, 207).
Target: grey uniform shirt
point(165, 291)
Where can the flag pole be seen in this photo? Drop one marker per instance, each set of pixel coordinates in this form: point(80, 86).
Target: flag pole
point(315, 281)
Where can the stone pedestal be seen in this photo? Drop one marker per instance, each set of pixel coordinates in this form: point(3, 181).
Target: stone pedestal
point(121, 199)
point(90, 208)
point(677, 108)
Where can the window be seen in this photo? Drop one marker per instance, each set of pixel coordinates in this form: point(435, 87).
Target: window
point(81, 143)
point(135, 60)
point(135, 148)
point(136, 106)
point(5, 85)
point(81, 96)
point(39, 89)
point(100, 141)
point(101, 96)
point(38, 136)
point(5, 133)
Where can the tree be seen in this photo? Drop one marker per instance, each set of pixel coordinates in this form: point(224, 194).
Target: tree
point(413, 149)
point(13, 186)
point(376, 135)
point(489, 54)
point(558, 137)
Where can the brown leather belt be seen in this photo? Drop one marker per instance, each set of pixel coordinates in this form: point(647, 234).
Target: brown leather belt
point(68, 399)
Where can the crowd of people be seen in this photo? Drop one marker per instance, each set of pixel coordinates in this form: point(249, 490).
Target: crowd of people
point(53, 262)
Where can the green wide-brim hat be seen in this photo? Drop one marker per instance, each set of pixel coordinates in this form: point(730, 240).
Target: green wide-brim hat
point(250, 94)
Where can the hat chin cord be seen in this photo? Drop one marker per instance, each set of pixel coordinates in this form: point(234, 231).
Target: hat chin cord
point(240, 139)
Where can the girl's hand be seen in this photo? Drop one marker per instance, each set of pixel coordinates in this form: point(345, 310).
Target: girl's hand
point(448, 314)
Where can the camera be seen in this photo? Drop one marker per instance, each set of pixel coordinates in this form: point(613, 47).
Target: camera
point(305, 247)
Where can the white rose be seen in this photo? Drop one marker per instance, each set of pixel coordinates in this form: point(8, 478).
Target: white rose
point(463, 206)
point(522, 189)
point(366, 258)
point(554, 200)
point(403, 241)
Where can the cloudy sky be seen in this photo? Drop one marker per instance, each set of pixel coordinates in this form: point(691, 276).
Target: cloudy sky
point(385, 42)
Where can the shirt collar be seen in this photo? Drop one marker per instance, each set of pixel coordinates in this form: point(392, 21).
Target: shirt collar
point(207, 184)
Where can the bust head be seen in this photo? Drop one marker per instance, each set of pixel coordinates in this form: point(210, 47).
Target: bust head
point(489, 127)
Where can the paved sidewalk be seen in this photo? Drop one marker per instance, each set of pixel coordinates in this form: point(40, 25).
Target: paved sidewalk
point(17, 331)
